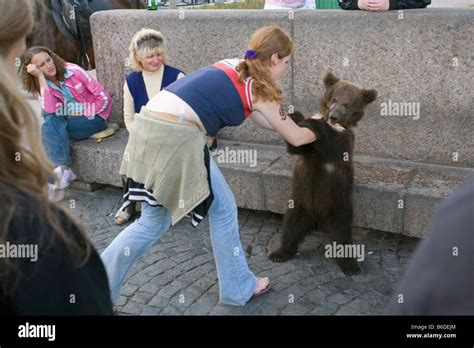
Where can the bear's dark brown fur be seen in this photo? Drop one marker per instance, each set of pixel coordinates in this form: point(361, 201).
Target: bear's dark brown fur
point(323, 174)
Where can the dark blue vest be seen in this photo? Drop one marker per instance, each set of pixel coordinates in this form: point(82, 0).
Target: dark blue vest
point(137, 88)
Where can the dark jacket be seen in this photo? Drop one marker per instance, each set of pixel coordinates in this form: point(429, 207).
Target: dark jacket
point(439, 278)
point(394, 4)
point(54, 284)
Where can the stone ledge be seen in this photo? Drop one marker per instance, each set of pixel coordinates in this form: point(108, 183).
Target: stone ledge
point(380, 184)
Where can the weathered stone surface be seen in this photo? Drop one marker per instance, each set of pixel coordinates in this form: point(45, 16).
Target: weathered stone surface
point(432, 69)
point(246, 180)
point(404, 62)
point(99, 162)
point(277, 184)
point(429, 186)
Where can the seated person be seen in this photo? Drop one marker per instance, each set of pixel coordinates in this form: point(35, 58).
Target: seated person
point(75, 106)
point(151, 75)
point(382, 5)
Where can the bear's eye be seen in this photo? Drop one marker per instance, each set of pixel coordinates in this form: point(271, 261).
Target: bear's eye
point(333, 100)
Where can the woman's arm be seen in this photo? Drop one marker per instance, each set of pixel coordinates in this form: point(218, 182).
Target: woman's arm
point(260, 120)
point(47, 100)
point(283, 124)
point(100, 94)
point(128, 106)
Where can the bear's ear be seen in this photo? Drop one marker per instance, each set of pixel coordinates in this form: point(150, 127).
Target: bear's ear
point(330, 79)
point(369, 95)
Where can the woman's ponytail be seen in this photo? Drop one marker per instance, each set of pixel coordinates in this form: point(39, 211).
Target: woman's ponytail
point(264, 43)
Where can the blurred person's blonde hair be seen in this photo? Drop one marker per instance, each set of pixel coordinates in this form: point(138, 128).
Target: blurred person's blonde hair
point(145, 43)
point(24, 168)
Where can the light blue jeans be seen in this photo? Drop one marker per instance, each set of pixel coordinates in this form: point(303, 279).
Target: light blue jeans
point(236, 282)
point(57, 130)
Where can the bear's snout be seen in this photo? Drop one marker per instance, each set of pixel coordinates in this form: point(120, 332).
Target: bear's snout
point(336, 113)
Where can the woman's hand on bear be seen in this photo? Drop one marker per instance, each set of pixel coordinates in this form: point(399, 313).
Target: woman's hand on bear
point(336, 126)
point(317, 117)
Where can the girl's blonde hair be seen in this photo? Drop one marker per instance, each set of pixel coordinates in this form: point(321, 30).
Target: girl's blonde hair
point(25, 168)
point(144, 43)
point(266, 41)
point(30, 83)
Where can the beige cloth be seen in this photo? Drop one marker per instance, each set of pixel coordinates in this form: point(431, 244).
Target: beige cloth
point(168, 158)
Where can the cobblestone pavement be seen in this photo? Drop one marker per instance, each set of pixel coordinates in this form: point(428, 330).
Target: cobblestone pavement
point(177, 275)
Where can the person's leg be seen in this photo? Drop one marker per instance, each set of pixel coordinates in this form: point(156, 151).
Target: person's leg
point(55, 139)
point(81, 127)
point(132, 243)
point(236, 282)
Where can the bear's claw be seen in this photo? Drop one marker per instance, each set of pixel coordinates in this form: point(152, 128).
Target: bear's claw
point(348, 266)
point(279, 256)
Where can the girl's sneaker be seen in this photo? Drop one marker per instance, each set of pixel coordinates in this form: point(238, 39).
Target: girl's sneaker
point(55, 194)
point(65, 176)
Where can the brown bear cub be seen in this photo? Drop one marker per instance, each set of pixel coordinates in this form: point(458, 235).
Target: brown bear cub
point(323, 174)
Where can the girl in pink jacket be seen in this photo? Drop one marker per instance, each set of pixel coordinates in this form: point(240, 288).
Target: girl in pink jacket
point(75, 106)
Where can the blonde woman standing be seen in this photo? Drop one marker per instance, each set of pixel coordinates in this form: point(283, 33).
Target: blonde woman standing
point(151, 74)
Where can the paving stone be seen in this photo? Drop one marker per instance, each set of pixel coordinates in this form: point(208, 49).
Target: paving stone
point(142, 297)
point(159, 301)
point(121, 300)
point(150, 287)
point(327, 308)
point(347, 311)
point(360, 305)
point(128, 289)
point(294, 309)
point(339, 298)
point(133, 308)
point(151, 311)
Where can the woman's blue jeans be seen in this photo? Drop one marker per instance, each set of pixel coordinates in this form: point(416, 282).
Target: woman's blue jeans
point(236, 282)
point(57, 130)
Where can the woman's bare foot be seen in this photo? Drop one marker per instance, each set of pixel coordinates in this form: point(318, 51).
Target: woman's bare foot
point(263, 285)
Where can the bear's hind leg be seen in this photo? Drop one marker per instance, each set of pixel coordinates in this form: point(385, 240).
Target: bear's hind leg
point(341, 231)
point(296, 224)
